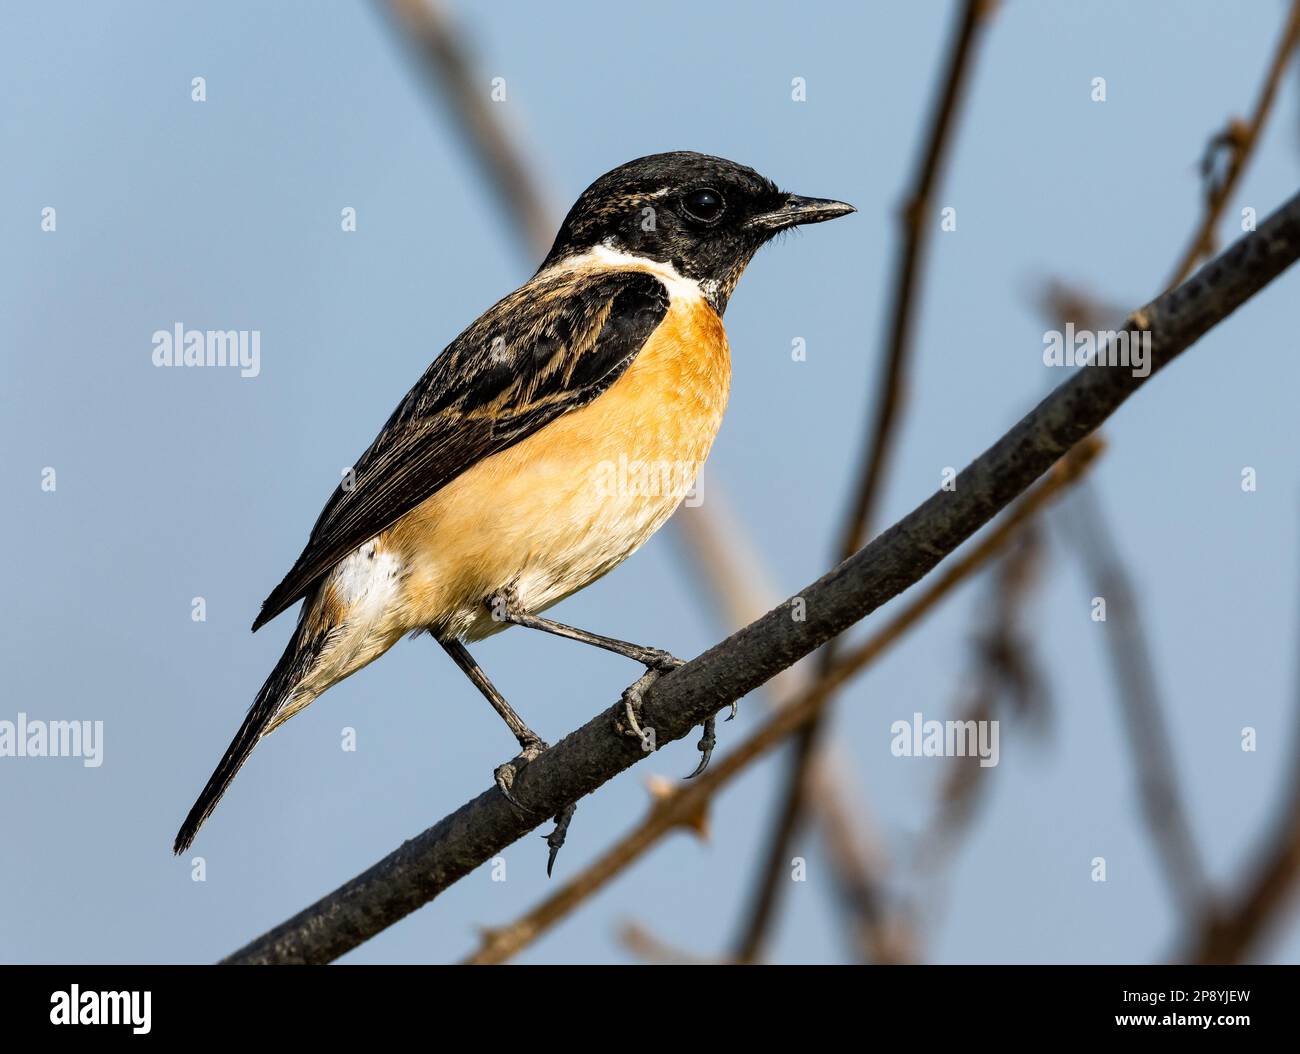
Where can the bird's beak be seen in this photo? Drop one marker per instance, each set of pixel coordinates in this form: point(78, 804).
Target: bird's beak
point(796, 211)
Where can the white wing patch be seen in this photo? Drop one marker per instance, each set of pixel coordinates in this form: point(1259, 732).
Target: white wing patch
point(367, 582)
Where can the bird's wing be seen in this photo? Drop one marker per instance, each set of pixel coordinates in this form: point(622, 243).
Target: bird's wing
point(550, 347)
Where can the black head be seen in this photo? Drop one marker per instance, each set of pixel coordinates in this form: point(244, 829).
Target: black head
point(707, 216)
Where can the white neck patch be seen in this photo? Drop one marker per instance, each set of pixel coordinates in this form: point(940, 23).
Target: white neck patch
point(605, 258)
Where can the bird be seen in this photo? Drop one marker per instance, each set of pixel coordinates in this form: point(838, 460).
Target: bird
point(539, 450)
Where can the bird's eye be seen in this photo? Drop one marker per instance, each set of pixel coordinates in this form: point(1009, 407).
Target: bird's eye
point(704, 205)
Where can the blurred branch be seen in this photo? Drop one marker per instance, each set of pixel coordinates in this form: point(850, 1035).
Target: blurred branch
point(645, 945)
point(1133, 670)
point(1131, 663)
point(915, 222)
point(877, 931)
point(677, 702)
point(1239, 139)
point(1003, 671)
point(1268, 885)
point(445, 58)
point(717, 546)
point(690, 800)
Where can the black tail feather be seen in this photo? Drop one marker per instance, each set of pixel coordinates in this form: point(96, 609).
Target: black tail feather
point(297, 659)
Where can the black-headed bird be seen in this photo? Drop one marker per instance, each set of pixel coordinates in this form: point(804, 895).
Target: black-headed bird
point(501, 483)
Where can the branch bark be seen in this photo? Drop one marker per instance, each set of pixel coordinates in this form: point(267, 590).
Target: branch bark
point(423, 867)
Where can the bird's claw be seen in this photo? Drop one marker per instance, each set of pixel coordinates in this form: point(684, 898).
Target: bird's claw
point(707, 742)
point(556, 838)
point(632, 696)
point(660, 661)
point(656, 662)
point(504, 775)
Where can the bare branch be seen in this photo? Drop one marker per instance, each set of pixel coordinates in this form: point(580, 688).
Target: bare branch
point(1239, 139)
point(896, 559)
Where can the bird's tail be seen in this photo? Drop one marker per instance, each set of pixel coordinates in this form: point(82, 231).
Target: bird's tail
point(294, 665)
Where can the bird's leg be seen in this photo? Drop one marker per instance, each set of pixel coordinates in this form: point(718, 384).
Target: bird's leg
point(505, 608)
point(555, 840)
point(530, 742)
point(707, 742)
point(532, 745)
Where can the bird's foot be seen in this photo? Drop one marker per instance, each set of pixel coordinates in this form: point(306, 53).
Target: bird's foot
point(707, 742)
point(505, 775)
point(633, 694)
point(556, 838)
point(656, 662)
point(657, 659)
point(710, 740)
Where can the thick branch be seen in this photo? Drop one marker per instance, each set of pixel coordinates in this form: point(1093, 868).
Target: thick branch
point(899, 557)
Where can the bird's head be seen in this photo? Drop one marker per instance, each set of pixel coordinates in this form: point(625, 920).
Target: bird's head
point(706, 216)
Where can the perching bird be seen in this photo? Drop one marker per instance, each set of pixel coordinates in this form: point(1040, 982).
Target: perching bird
point(500, 485)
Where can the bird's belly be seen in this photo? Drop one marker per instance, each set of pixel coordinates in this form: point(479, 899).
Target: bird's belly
point(568, 504)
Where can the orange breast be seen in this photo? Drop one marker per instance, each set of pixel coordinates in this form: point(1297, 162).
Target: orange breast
point(566, 505)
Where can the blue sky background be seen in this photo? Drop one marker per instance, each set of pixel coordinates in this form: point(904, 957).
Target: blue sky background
point(181, 483)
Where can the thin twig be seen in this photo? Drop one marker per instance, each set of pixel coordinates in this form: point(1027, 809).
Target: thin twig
point(1239, 138)
point(916, 222)
point(893, 561)
point(646, 945)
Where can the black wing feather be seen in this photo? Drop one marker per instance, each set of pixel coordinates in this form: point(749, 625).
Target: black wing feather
point(550, 347)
